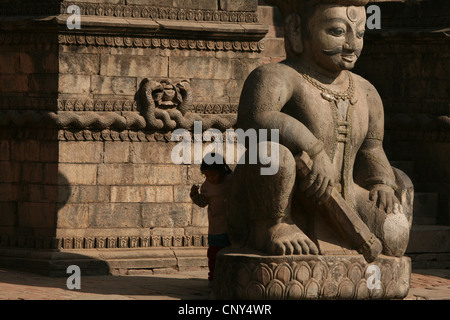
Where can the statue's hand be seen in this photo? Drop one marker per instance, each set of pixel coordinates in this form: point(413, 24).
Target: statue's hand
point(384, 197)
point(318, 184)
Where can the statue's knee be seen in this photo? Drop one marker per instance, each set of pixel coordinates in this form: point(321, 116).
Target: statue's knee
point(396, 231)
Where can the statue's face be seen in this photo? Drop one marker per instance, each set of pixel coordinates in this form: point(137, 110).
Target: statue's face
point(336, 38)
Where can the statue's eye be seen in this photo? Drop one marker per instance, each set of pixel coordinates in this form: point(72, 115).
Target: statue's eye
point(360, 34)
point(337, 32)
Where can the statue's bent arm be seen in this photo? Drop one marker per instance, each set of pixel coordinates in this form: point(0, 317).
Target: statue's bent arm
point(267, 90)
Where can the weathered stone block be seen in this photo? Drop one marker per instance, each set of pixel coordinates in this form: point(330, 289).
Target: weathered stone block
point(72, 83)
point(239, 5)
point(113, 85)
point(196, 4)
point(25, 150)
point(83, 194)
point(166, 215)
point(9, 171)
point(36, 215)
point(201, 68)
point(14, 83)
point(80, 152)
point(125, 174)
point(8, 214)
point(117, 152)
point(4, 150)
point(114, 215)
point(141, 194)
point(8, 192)
point(134, 66)
point(48, 151)
point(77, 174)
point(73, 216)
point(79, 63)
point(181, 193)
point(152, 152)
point(31, 172)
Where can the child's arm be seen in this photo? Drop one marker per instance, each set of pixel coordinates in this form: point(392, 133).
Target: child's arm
point(197, 198)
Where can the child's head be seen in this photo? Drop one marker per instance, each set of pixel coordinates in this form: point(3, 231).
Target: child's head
point(214, 168)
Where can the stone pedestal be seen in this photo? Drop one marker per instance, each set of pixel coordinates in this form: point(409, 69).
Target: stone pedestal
point(245, 275)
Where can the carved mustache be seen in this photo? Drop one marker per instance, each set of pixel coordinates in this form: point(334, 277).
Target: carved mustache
point(340, 50)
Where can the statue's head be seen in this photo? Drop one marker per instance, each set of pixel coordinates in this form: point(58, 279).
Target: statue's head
point(328, 32)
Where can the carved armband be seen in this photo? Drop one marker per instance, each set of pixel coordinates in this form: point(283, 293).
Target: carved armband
point(375, 136)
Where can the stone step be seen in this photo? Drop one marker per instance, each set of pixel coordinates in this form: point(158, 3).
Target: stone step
point(429, 239)
point(425, 208)
point(429, 247)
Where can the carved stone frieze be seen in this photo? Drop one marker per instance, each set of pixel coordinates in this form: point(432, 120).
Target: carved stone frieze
point(129, 11)
point(257, 277)
point(156, 42)
point(102, 242)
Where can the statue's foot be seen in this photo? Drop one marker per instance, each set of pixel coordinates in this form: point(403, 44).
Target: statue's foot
point(283, 239)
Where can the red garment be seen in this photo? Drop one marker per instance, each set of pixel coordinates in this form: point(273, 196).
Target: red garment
point(212, 254)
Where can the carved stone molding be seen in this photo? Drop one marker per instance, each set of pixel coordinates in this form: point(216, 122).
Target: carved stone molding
point(102, 242)
point(163, 43)
point(129, 11)
point(254, 277)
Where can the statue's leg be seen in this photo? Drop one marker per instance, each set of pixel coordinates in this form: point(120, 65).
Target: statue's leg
point(392, 229)
point(261, 204)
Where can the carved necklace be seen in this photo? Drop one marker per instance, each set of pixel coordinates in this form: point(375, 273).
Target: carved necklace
point(327, 93)
point(342, 105)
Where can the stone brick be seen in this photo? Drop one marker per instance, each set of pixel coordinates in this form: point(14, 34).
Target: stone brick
point(8, 192)
point(113, 85)
point(78, 174)
point(48, 151)
point(9, 63)
point(141, 194)
point(8, 214)
point(152, 152)
point(158, 3)
point(181, 194)
point(31, 172)
point(43, 83)
point(4, 150)
point(70, 83)
point(9, 171)
point(196, 4)
point(239, 5)
point(243, 67)
point(51, 174)
point(114, 215)
point(134, 66)
point(14, 83)
point(36, 215)
point(25, 150)
point(73, 216)
point(201, 68)
point(117, 152)
point(80, 152)
point(166, 215)
point(42, 193)
point(124, 174)
point(83, 194)
point(79, 63)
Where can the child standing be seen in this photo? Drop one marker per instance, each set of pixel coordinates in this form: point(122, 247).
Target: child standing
point(212, 194)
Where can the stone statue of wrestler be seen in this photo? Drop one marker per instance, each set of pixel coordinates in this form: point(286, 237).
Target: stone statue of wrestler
point(337, 118)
